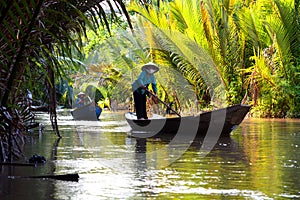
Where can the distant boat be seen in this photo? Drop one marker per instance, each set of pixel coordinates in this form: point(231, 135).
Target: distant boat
point(87, 112)
point(226, 118)
point(39, 108)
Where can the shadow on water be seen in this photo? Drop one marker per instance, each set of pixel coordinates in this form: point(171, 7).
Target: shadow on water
point(255, 163)
point(22, 182)
point(224, 147)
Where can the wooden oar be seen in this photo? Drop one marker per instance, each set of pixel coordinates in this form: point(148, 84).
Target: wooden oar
point(18, 164)
point(163, 102)
point(63, 177)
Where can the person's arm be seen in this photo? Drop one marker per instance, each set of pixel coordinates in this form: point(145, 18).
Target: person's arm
point(139, 82)
point(154, 88)
point(154, 85)
point(141, 78)
point(77, 102)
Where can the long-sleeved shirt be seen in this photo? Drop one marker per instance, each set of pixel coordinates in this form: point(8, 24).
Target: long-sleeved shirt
point(144, 80)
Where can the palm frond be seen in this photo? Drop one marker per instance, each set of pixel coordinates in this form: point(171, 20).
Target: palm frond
point(34, 35)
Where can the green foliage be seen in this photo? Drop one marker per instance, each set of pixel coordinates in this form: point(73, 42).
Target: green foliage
point(40, 43)
point(254, 47)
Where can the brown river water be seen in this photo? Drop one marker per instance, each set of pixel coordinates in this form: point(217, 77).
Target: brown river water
point(261, 160)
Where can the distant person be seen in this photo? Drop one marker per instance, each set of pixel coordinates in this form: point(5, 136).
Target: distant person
point(29, 98)
point(145, 78)
point(98, 110)
point(80, 99)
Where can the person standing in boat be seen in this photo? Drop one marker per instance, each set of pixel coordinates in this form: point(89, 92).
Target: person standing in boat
point(80, 99)
point(145, 78)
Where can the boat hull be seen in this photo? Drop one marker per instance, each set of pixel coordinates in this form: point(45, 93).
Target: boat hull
point(220, 122)
point(87, 112)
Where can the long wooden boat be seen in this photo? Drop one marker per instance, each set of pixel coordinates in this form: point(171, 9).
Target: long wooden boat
point(219, 123)
point(86, 112)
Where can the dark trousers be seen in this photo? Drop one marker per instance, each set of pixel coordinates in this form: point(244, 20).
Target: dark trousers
point(140, 105)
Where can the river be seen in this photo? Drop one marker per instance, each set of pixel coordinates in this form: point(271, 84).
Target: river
point(261, 160)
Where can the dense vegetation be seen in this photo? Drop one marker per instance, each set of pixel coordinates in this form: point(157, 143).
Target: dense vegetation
point(40, 45)
point(210, 52)
point(251, 46)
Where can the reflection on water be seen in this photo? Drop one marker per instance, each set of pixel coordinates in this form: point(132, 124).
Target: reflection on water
point(260, 161)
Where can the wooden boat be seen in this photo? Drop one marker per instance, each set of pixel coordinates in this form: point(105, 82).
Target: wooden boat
point(39, 108)
point(87, 112)
point(218, 122)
